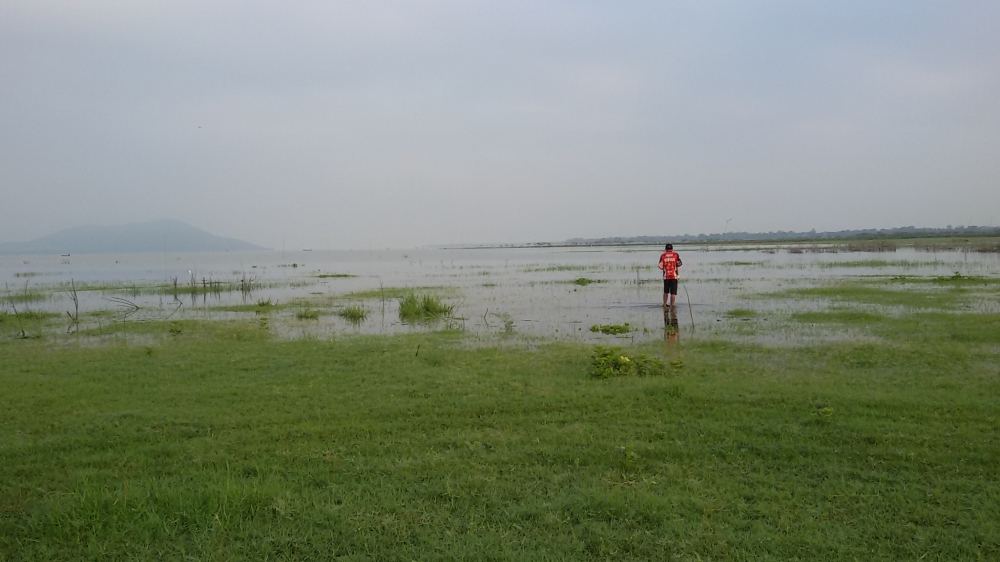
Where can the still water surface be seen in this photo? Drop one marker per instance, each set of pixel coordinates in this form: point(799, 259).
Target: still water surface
point(524, 291)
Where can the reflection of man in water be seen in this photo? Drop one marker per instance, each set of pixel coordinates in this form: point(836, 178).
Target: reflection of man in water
point(670, 264)
point(671, 328)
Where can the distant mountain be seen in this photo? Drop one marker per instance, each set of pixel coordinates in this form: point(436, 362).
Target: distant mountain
point(155, 236)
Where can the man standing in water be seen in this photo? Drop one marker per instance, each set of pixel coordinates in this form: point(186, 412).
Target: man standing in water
point(670, 264)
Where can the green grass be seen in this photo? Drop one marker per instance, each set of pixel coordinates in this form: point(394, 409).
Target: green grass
point(353, 313)
point(741, 313)
point(558, 267)
point(216, 442)
point(612, 329)
point(423, 308)
point(874, 263)
point(838, 317)
point(262, 306)
point(395, 293)
point(27, 315)
point(307, 314)
point(24, 296)
point(879, 295)
point(334, 276)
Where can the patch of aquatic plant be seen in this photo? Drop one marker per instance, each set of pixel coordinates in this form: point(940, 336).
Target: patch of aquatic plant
point(866, 294)
point(584, 281)
point(504, 317)
point(27, 315)
point(334, 276)
point(608, 362)
point(353, 313)
point(612, 329)
point(958, 279)
point(260, 307)
point(742, 263)
point(395, 293)
point(24, 296)
point(307, 314)
point(838, 317)
point(741, 313)
point(420, 308)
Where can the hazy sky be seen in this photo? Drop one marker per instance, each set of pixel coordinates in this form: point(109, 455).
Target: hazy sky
point(370, 124)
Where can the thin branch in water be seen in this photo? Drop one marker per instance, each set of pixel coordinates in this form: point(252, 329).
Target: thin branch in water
point(75, 315)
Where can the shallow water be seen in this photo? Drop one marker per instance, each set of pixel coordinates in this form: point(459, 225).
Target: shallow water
point(521, 291)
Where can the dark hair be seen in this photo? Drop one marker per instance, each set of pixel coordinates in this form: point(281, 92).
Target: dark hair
point(669, 247)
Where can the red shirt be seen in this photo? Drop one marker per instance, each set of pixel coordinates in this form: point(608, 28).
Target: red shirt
point(669, 262)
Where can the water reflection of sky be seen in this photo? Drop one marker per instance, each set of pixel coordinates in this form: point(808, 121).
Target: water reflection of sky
point(527, 291)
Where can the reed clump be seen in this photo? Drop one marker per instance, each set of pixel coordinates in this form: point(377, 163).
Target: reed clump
point(353, 313)
point(421, 308)
point(307, 314)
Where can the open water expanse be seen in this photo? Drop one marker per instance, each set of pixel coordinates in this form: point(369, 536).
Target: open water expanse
point(551, 292)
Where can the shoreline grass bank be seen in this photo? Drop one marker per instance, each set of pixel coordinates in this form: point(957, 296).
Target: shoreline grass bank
point(217, 441)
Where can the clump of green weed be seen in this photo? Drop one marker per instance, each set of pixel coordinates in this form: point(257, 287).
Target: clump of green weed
point(612, 329)
point(741, 313)
point(354, 313)
point(607, 362)
point(417, 308)
point(584, 281)
point(307, 314)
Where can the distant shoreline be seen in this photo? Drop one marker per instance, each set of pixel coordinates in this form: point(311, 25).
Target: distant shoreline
point(978, 242)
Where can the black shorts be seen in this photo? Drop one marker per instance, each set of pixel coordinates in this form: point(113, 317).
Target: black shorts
point(670, 286)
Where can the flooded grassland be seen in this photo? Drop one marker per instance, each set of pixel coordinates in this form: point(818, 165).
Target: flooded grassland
point(503, 404)
point(780, 294)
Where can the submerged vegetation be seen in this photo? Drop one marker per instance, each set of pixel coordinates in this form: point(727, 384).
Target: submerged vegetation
point(307, 314)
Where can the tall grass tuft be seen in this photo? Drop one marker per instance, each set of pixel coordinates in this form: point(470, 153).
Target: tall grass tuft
point(421, 308)
point(307, 314)
point(354, 313)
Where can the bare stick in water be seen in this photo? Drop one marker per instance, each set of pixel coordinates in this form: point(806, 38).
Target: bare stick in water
point(691, 312)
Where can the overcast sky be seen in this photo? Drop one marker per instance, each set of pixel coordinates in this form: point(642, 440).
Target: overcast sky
point(370, 124)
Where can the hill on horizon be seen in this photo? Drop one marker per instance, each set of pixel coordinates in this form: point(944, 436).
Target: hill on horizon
point(153, 236)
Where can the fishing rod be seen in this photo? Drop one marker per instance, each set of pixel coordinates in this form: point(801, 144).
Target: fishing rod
point(690, 311)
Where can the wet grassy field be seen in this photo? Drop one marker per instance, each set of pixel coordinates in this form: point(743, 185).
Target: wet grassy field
point(849, 418)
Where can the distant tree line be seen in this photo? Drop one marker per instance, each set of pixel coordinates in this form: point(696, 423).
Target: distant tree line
point(788, 236)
